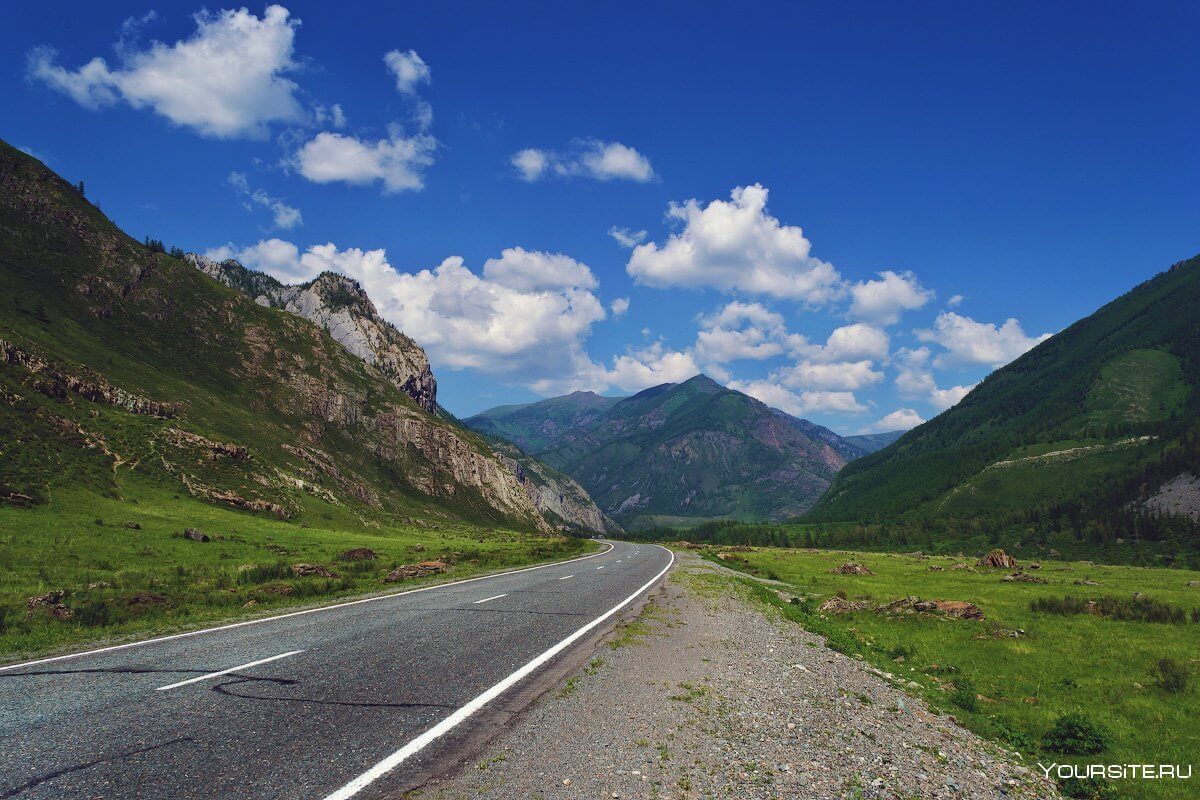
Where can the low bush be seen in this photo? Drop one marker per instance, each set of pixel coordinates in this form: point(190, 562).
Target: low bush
point(1171, 675)
point(964, 695)
point(1075, 734)
point(1125, 609)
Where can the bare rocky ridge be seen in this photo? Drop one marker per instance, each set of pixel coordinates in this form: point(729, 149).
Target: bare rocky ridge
point(340, 306)
point(705, 696)
point(1180, 495)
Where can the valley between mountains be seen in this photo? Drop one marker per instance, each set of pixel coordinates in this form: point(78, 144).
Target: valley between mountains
point(246, 495)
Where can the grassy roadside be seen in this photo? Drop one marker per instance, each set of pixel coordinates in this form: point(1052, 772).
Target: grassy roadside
point(128, 572)
point(1016, 687)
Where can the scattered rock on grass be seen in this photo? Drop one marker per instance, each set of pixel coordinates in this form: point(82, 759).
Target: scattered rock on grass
point(421, 570)
point(133, 526)
point(306, 570)
point(100, 585)
point(840, 605)
point(143, 599)
point(1086, 582)
point(196, 535)
point(998, 558)
point(1023, 577)
point(851, 568)
point(53, 602)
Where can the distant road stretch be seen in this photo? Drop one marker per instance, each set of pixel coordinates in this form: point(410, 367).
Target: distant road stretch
point(328, 704)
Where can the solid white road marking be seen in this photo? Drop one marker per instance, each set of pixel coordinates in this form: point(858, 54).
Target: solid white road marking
point(600, 567)
point(233, 625)
point(564, 577)
point(494, 597)
point(227, 671)
point(465, 712)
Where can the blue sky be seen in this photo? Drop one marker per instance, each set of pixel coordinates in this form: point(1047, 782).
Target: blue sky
point(837, 208)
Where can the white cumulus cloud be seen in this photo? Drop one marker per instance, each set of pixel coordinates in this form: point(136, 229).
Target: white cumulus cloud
point(882, 301)
point(626, 237)
point(409, 70)
point(397, 162)
point(588, 158)
point(798, 404)
point(226, 81)
point(915, 380)
point(902, 419)
point(530, 270)
point(969, 342)
point(732, 246)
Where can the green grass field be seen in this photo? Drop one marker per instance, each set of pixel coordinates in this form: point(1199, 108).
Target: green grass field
point(79, 544)
point(1013, 689)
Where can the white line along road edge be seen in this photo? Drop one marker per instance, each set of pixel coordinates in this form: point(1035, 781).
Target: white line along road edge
point(461, 715)
point(316, 610)
point(227, 671)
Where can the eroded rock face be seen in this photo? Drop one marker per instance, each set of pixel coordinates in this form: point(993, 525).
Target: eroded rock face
point(340, 306)
point(558, 498)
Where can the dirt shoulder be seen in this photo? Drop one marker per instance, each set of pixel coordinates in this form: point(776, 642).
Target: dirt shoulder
point(705, 695)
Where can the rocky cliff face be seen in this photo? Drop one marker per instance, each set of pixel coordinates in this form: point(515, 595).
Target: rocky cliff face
point(340, 306)
point(514, 482)
point(560, 500)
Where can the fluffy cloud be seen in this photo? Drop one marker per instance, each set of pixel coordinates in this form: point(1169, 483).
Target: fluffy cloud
point(736, 246)
point(626, 237)
point(648, 367)
point(740, 331)
point(409, 70)
point(882, 301)
point(799, 404)
point(286, 216)
point(839, 375)
point(225, 81)
point(915, 381)
point(969, 342)
point(588, 158)
point(397, 162)
point(526, 271)
point(901, 419)
point(516, 327)
point(852, 342)
point(279, 259)
point(619, 306)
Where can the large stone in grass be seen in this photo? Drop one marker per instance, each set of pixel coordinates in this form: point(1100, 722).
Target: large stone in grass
point(196, 535)
point(840, 605)
point(998, 558)
point(309, 570)
point(851, 568)
point(1023, 577)
point(408, 571)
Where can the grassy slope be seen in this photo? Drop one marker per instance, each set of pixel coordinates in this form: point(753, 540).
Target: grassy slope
point(1038, 398)
point(1101, 667)
point(78, 291)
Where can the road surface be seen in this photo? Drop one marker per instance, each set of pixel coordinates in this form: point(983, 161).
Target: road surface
point(333, 703)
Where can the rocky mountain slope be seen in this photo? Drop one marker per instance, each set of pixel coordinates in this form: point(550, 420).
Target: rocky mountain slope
point(120, 362)
point(341, 307)
point(874, 441)
point(694, 450)
point(1078, 434)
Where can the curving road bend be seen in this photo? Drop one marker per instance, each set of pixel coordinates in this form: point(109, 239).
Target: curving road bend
point(333, 703)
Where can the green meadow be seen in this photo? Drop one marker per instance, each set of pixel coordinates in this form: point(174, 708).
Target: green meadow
point(123, 582)
point(1012, 676)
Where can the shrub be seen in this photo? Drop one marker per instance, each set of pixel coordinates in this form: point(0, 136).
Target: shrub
point(1171, 675)
point(94, 614)
point(964, 695)
point(1087, 789)
point(1125, 609)
point(1075, 734)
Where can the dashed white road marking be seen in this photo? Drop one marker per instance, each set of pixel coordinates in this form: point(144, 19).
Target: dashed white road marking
point(599, 567)
point(493, 597)
point(227, 671)
point(471, 708)
point(564, 577)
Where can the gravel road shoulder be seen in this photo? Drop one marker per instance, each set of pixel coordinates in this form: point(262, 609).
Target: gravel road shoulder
point(704, 695)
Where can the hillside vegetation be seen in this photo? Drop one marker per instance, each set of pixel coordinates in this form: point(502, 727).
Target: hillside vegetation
point(689, 451)
point(1071, 438)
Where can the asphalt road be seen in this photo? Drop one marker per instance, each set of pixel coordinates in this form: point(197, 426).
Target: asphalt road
point(335, 703)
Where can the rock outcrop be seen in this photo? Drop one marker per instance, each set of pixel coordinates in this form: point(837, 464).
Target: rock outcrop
point(559, 499)
point(340, 306)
